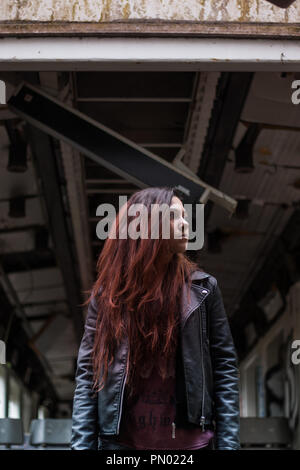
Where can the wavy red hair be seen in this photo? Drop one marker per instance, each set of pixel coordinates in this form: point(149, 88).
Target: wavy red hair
point(136, 298)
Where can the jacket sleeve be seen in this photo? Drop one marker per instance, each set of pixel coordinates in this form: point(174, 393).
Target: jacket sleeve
point(226, 375)
point(85, 412)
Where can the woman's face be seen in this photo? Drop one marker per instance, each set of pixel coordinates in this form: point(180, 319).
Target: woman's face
point(179, 229)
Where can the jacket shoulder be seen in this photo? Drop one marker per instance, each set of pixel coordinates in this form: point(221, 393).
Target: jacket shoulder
point(199, 276)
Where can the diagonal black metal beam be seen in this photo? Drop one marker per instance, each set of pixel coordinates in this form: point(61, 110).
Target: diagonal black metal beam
point(100, 143)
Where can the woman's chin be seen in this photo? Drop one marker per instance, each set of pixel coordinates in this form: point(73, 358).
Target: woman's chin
point(182, 246)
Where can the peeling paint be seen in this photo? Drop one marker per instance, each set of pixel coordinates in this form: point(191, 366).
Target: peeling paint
point(168, 10)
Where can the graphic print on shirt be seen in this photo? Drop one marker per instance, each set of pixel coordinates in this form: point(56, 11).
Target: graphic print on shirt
point(147, 422)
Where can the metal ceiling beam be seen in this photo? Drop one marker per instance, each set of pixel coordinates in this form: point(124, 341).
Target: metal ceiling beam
point(231, 93)
point(47, 170)
point(275, 268)
point(106, 146)
point(21, 228)
point(150, 53)
point(204, 94)
point(11, 325)
point(115, 99)
point(19, 311)
point(151, 29)
point(19, 261)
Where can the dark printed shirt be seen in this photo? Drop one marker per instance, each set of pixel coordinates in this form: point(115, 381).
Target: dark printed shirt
point(147, 423)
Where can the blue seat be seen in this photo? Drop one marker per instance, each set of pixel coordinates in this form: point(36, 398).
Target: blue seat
point(51, 433)
point(265, 433)
point(11, 432)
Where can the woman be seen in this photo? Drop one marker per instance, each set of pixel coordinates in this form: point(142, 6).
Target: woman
point(158, 338)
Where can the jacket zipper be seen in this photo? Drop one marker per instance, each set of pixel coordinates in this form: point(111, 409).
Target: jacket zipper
point(121, 399)
point(173, 430)
point(202, 419)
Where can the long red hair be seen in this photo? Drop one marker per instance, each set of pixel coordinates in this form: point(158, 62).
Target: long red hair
point(135, 298)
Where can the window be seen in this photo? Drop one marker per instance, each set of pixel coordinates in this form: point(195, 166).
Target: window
point(251, 389)
point(2, 391)
point(42, 412)
point(14, 408)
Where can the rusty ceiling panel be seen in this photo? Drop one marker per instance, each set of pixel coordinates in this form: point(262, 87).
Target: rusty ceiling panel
point(168, 10)
point(260, 18)
point(152, 28)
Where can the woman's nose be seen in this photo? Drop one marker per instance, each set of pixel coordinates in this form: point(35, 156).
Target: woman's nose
point(184, 224)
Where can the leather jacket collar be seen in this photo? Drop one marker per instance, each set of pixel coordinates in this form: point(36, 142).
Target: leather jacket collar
point(197, 295)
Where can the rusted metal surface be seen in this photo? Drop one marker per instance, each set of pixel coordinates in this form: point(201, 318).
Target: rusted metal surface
point(151, 28)
point(218, 18)
point(168, 10)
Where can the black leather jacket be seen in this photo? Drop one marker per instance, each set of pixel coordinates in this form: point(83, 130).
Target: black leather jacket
point(207, 375)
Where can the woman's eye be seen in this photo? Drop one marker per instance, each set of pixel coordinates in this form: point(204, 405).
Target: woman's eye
point(174, 215)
